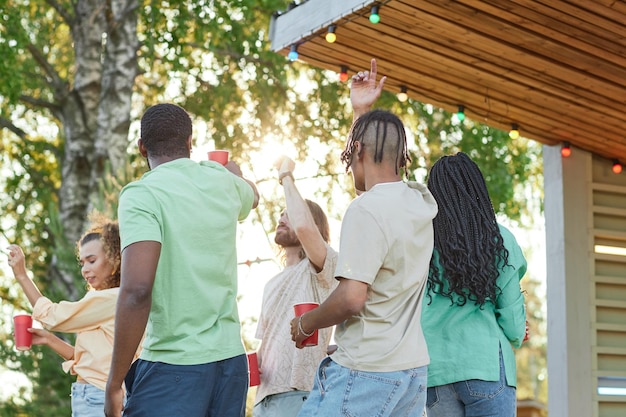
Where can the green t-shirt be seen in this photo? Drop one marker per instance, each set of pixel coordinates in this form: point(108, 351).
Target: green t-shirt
point(193, 210)
point(464, 341)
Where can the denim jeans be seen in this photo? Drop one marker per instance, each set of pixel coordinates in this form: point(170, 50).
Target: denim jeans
point(473, 398)
point(284, 404)
point(87, 400)
point(340, 391)
point(215, 389)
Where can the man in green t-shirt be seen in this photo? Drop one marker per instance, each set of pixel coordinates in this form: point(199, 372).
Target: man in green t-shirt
point(179, 280)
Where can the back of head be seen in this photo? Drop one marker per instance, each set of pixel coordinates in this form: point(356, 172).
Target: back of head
point(165, 129)
point(467, 236)
point(383, 137)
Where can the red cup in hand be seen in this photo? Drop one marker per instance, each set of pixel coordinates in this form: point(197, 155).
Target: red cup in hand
point(300, 309)
point(23, 338)
point(253, 366)
point(220, 156)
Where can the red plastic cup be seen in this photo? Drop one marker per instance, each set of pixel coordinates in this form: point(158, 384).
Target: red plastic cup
point(23, 338)
point(253, 366)
point(300, 309)
point(218, 156)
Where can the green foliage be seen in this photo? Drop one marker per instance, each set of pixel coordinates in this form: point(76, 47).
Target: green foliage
point(214, 59)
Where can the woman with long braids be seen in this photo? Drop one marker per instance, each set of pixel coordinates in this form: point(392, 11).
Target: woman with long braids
point(473, 312)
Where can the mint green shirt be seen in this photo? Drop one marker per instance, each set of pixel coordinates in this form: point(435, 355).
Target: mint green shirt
point(464, 341)
point(192, 209)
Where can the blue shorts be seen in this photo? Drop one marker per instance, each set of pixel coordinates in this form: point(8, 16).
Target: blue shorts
point(216, 389)
point(340, 391)
point(87, 400)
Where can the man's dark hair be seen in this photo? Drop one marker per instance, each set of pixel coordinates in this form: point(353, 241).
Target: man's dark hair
point(165, 129)
point(467, 237)
point(373, 129)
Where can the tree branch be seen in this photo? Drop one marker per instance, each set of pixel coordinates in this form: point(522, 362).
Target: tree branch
point(6, 123)
point(55, 80)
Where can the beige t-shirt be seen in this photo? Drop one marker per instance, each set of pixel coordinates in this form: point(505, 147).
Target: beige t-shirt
point(386, 242)
point(283, 366)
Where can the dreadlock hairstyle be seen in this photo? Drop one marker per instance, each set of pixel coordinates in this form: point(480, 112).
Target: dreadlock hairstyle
point(165, 129)
point(467, 238)
point(373, 129)
point(108, 233)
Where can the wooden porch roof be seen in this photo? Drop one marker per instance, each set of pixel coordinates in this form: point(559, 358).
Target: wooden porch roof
point(555, 68)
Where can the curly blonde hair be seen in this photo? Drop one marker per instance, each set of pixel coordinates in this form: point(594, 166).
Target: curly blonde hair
point(108, 232)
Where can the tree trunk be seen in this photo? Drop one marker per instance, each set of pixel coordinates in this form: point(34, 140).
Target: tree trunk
point(96, 112)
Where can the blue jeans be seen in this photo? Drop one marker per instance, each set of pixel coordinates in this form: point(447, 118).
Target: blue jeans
point(473, 398)
point(284, 404)
point(215, 389)
point(340, 391)
point(87, 400)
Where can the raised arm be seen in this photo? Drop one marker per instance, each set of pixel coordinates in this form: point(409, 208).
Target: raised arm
point(17, 263)
point(234, 168)
point(300, 215)
point(364, 90)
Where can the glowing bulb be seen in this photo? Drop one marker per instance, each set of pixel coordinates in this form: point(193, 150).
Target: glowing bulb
point(374, 16)
point(514, 132)
point(293, 53)
point(331, 36)
point(460, 114)
point(566, 150)
point(402, 95)
point(617, 167)
point(343, 74)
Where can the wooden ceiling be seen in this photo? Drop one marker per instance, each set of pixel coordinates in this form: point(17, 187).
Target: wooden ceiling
point(555, 68)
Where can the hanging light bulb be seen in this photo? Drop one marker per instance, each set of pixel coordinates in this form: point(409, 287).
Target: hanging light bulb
point(514, 132)
point(460, 113)
point(374, 16)
point(566, 149)
point(293, 52)
point(617, 166)
point(402, 95)
point(343, 74)
point(331, 36)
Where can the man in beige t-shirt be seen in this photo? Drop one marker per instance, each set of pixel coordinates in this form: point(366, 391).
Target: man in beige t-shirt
point(302, 233)
point(380, 367)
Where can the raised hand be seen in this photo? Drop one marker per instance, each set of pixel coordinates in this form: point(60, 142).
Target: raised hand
point(364, 90)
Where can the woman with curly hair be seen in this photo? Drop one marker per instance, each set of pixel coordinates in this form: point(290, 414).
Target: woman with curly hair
point(91, 318)
point(473, 311)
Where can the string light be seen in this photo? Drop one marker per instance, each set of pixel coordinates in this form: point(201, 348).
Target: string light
point(617, 166)
point(374, 16)
point(460, 113)
point(331, 36)
point(514, 132)
point(402, 95)
point(293, 53)
point(566, 149)
point(343, 74)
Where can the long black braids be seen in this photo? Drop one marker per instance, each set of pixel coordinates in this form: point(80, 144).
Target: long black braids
point(467, 238)
point(383, 122)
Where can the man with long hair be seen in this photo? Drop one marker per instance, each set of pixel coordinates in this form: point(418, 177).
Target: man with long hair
point(303, 235)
